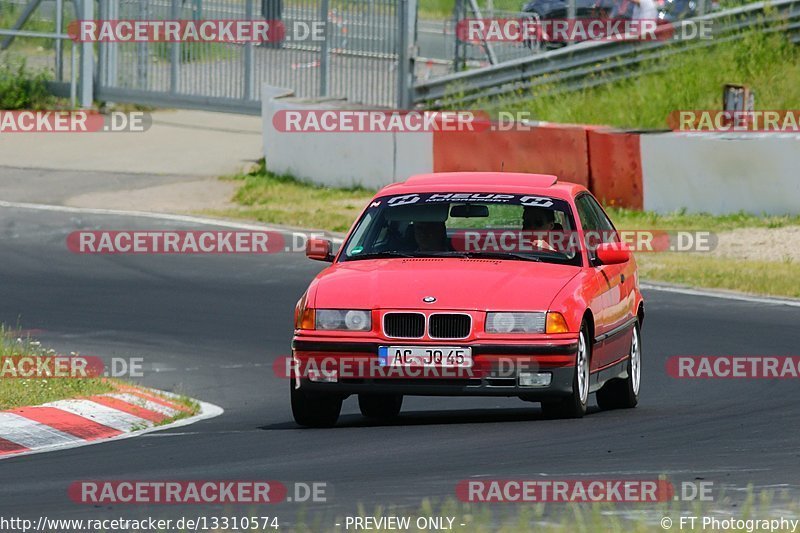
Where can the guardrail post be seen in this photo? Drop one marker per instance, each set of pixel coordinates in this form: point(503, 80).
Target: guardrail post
point(112, 49)
point(325, 49)
point(459, 55)
point(73, 76)
point(406, 45)
point(87, 58)
point(142, 50)
point(248, 55)
point(59, 43)
point(174, 52)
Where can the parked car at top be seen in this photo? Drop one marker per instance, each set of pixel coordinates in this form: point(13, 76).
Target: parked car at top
point(422, 282)
point(668, 11)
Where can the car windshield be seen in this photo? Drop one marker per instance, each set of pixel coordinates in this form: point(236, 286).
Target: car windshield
point(473, 225)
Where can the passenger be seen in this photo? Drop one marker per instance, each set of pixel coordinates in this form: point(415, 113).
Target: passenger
point(430, 236)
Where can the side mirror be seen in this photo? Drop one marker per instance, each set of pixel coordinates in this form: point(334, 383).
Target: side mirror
point(319, 249)
point(613, 253)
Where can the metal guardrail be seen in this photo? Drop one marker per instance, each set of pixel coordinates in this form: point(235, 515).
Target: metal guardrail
point(596, 63)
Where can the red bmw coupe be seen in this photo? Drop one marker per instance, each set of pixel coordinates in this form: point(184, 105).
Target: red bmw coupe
point(473, 284)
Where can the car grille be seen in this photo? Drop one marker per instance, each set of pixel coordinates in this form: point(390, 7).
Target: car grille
point(446, 326)
point(404, 325)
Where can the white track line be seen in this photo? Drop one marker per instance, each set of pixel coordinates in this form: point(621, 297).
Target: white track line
point(722, 295)
point(143, 214)
point(160, 216)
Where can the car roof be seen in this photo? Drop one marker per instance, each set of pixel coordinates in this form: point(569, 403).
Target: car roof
point(496, 182)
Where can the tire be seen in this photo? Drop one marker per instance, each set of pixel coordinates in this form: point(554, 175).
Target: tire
point(380, 406)
point(622, 393)
point(574, 406)
point(315, 409)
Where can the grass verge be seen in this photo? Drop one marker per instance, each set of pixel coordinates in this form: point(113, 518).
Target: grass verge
point(284, 200)
point(681, 220)
point(18, 392)
point(772, 278)
point(775, 278)
point(768, 63)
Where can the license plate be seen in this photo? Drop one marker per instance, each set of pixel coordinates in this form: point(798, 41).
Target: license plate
point(425, 356)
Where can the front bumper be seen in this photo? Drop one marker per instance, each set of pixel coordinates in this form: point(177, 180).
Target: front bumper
point(495, 372)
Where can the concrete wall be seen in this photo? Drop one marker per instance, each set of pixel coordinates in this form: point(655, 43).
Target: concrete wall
point(343, 159)
point(756, 173)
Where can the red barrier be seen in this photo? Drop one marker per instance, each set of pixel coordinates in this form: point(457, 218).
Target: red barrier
point(607, 162)
point(615, 168)
point(553, 149)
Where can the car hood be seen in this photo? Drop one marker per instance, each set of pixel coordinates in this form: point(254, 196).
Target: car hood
point(468, 284)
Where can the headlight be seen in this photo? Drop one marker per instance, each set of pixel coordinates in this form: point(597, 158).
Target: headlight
point(343, 319)
point(515, 322)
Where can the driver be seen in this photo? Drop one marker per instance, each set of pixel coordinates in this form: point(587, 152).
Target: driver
point(540, 221)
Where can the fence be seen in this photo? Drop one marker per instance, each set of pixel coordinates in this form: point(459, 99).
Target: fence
point(364, 55)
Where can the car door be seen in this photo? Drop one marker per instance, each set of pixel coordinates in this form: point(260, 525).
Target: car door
point(614, 286)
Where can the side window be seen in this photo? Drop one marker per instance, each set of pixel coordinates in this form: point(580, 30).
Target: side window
point(602, 219)
point(359, 236)
point(587, 214)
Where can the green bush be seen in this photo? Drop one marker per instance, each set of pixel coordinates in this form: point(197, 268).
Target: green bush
point(23, 89)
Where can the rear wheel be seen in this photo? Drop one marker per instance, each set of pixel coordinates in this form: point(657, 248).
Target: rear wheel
point(574, 406)
point(380, 406)
point(624, 393)
point(315, 409)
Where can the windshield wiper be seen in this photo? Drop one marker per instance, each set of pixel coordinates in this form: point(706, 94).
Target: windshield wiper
point(431, 253)
point(378, 255)
point(501, 255)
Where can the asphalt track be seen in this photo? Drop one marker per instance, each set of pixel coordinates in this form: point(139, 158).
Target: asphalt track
point(210, 326)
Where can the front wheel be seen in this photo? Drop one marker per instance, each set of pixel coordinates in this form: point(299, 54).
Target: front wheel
point(624, 393)
point(574, 406)
point(380, 406)
point(315, 409)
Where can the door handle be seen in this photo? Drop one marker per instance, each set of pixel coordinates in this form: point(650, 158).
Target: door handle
point(622, 278)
